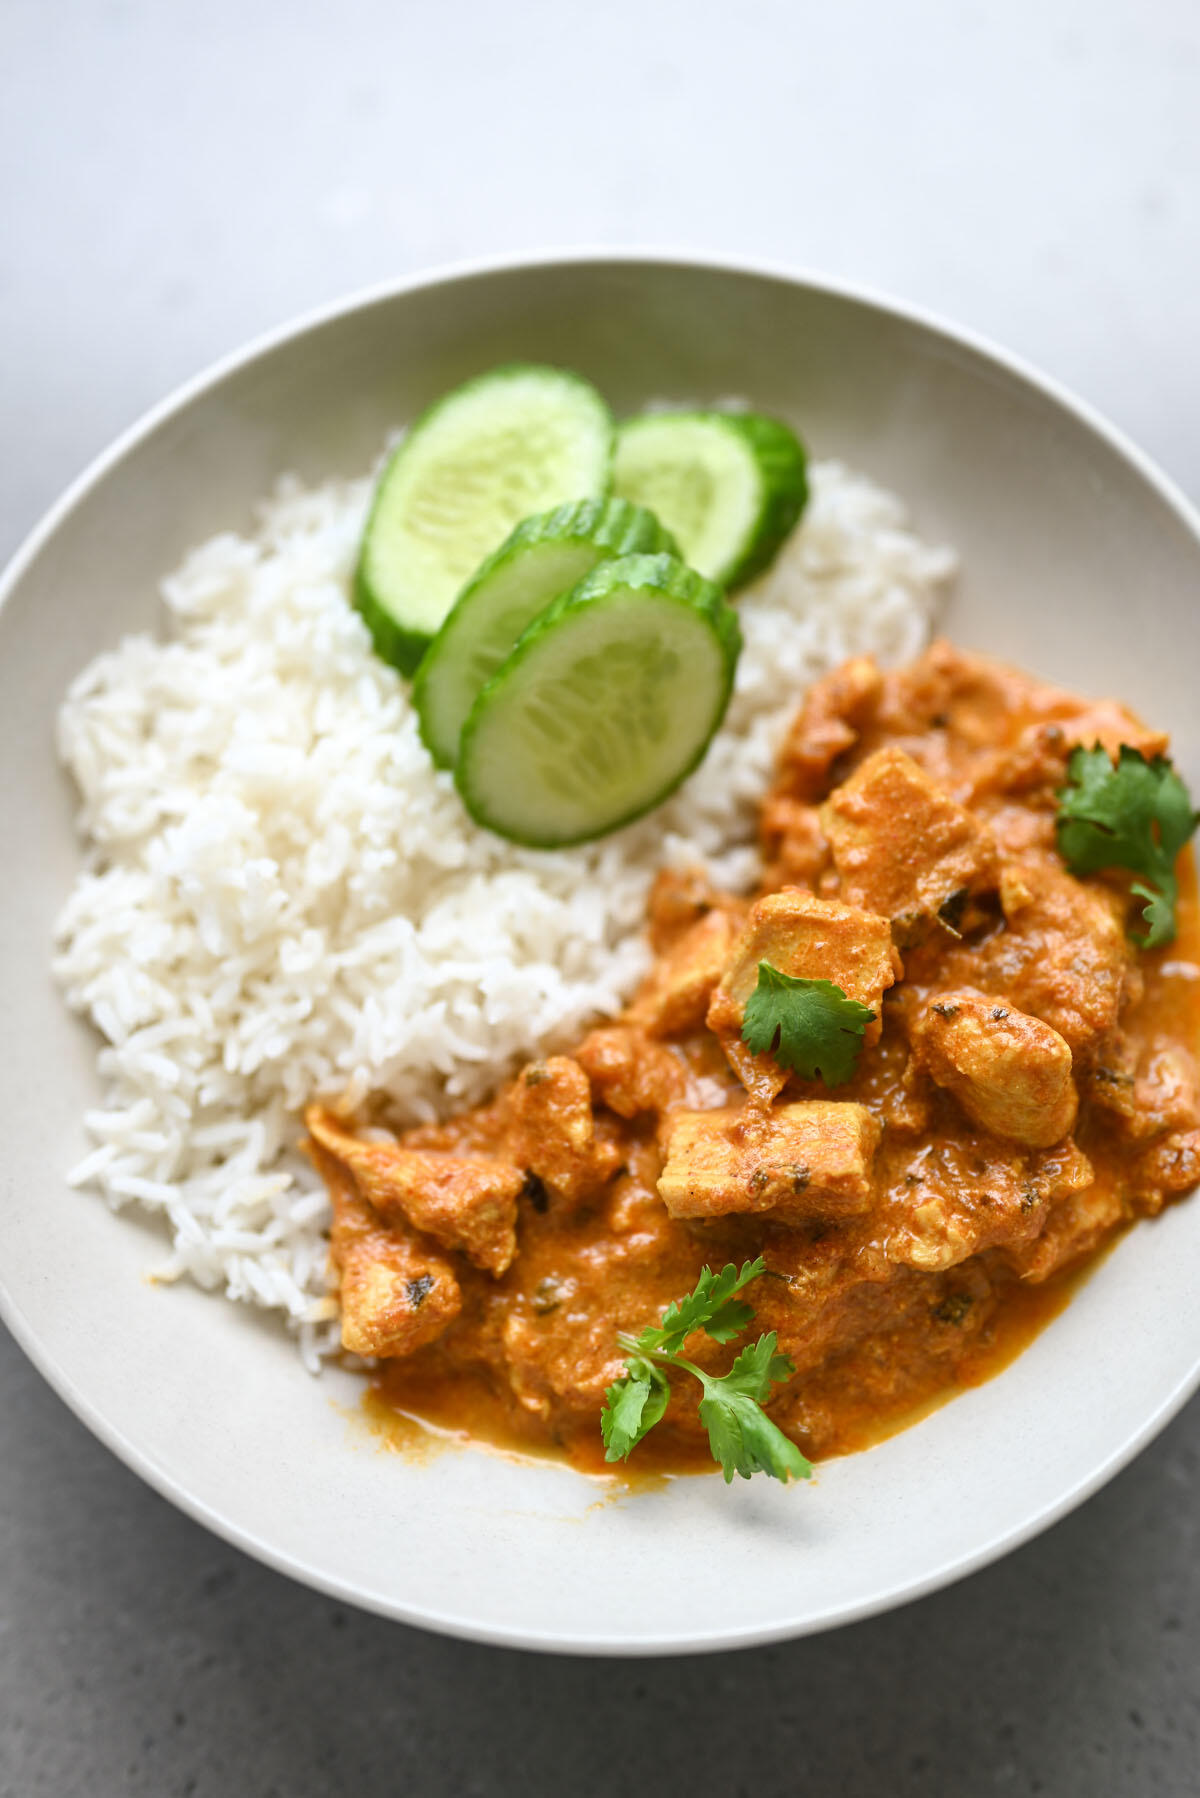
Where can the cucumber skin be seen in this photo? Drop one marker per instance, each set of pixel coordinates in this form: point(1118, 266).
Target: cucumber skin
point(401, 649)
point(666, 577)
point(616, 525)
point(395, 643)
point(783, 471)
point(782, 458)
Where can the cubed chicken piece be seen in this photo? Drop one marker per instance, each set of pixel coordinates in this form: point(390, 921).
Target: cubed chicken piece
point(630, 1072)
point(555, 1130)
point(465, 1202)
point(810, 939)
point(811, 1159)
point(674, 997)
point(833, 715)
point(396, 1292)
point(958, 1195)
point(795, 849)
point(904, 848)
point(1010, 1073)
point(1065, 956)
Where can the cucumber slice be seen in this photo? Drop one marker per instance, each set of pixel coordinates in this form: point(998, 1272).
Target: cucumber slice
point(730, 485)
point(518, 440)
point(608, 701)
point(544, 556)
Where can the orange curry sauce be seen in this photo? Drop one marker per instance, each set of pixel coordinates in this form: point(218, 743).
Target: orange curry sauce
point(1028, 1089)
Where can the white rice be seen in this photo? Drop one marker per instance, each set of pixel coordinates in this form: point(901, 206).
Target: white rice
point(283, 899)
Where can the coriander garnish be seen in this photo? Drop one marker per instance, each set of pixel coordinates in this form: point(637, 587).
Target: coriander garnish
point(1134, 814)
point(742, 1437)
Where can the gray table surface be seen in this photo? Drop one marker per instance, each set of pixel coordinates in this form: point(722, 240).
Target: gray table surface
point(175, 177)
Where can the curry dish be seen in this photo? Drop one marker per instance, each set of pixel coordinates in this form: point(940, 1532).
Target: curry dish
point(1025, 1089)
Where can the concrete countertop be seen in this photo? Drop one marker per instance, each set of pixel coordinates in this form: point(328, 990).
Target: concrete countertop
point(179, 176)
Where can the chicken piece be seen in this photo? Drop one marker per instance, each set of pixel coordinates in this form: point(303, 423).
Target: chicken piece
point(630, 1073)
point(1065, 956)
point(822, 1298)
point(396, 1292)
point(1108, 1082)
point(812, 1159)
point(810, 939)
point(1076, 1226)
point(1144, 1089)
point(957, 1195)
point(1040, 751)
point(1165, 1095)
point(818, 1286)
point(674, 997)
point(463, 1202)
point(904, 848)
point(829, 723)
point(794, 847)
point(545, 1378)
point(978, 728)
point(1170, 1165)
point(555, 1131)
point(1010, 1073)
point(990, 715)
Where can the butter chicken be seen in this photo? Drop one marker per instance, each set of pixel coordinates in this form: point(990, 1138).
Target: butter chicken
point(1026, 1086)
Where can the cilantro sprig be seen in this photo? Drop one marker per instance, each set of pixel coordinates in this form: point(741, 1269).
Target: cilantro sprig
point(742, 1437)
point(810, 1026)
point(1134, 814)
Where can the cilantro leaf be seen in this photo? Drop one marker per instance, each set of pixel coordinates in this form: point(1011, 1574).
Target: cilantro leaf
point(711, 1308)
point(745, 1441)
point(632, 1406)
point(1158, 913)
point(807, 1025)
point(1134, 814)
point(742, 1437)
point(758, 1368)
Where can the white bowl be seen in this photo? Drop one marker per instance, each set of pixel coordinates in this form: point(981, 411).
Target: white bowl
point(1079, 562)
